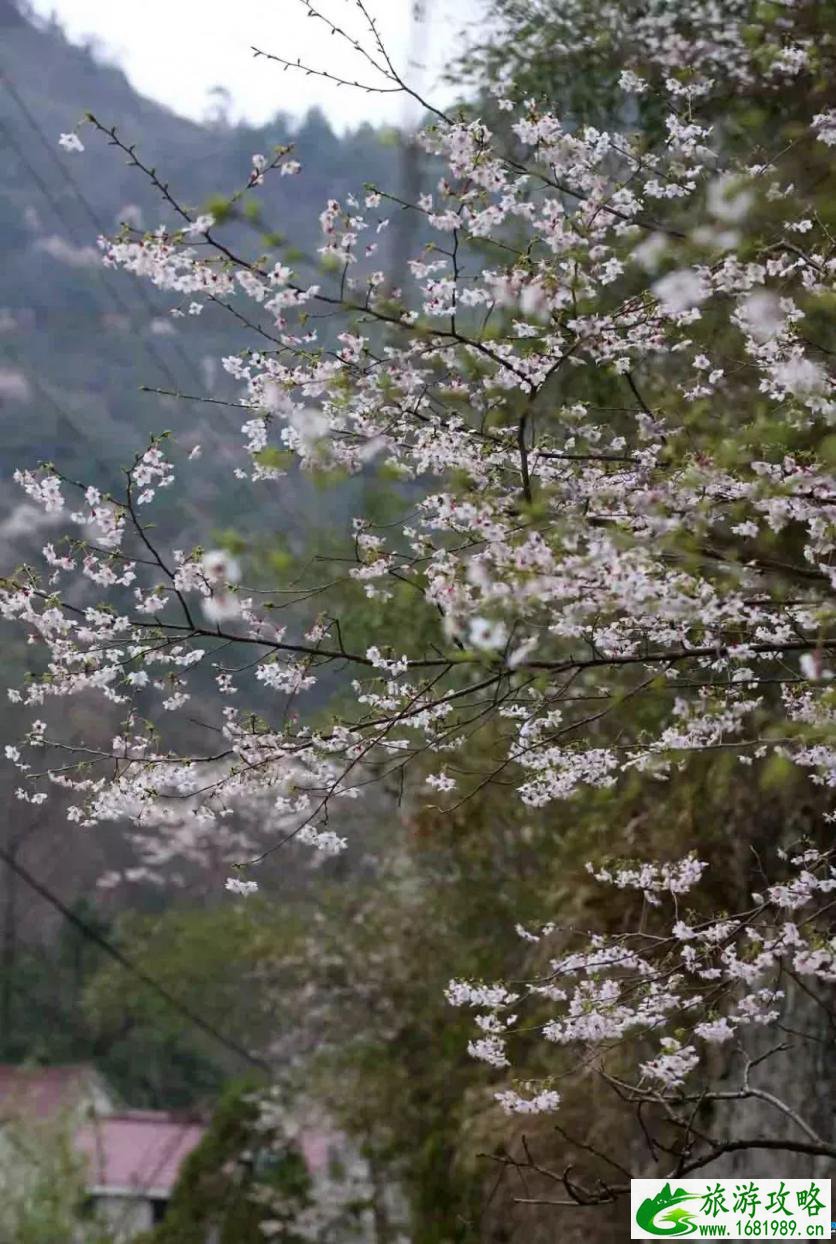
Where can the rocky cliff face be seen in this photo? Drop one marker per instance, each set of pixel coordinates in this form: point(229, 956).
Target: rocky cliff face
point(794, 1091)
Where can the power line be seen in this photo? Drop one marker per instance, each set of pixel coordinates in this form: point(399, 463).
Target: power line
point(91, 213)
point(71, 420)
point(107, 946)
point(33, 173)
point(36, 178)
point(120, 302)
point(53, 155)
point(125, 308)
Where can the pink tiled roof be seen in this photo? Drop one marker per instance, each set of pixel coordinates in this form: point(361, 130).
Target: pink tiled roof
point(43, 1091)
point(141, 1150)
point(136, 1149)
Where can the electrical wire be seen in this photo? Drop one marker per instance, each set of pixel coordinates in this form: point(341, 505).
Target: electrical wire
point(118, 300)
point(94, 219)
point(104, 943)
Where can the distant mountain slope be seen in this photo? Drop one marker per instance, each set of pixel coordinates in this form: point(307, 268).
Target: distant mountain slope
point(76, 341)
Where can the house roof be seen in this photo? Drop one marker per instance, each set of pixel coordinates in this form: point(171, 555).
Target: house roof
point(130, 1152)
point(40, 1092)
point(138, 1152)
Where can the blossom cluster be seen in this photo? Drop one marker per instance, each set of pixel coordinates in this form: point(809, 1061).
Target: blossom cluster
point(609, 583)
point(564, 554)
point(683, 987)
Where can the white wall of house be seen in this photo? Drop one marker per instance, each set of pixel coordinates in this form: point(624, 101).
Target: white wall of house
point(125, 1215)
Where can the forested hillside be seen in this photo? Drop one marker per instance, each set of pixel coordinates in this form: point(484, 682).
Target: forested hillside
point(78, 345)
point(76, 342)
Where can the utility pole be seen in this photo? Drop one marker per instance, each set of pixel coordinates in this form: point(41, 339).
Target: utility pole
point(403, 241)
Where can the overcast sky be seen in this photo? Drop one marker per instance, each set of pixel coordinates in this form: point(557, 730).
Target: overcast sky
point(177, 50)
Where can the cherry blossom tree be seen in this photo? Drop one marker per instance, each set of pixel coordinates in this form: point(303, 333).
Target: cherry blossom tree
point(607, 376)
